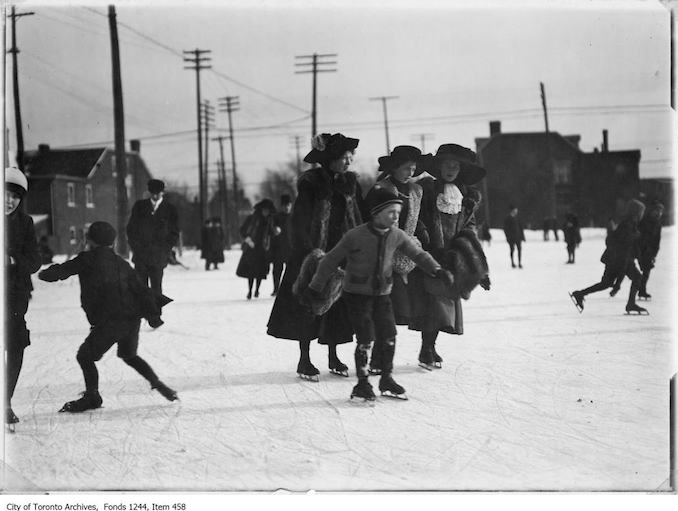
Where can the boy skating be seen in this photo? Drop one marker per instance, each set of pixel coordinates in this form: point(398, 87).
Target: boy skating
point(619, 259)
point(368, 251)
point(114, 300)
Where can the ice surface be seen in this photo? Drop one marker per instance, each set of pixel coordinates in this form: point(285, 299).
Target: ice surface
point(534, 395)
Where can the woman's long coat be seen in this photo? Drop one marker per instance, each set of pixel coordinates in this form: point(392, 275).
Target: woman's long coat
point(254, 261)
point(327, 206)
point(212, 249)
point(411, 194)
point(439, 313)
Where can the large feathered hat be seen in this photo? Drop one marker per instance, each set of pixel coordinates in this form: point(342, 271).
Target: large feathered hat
point(469, 173)
point(326, 147)
point(400, 154)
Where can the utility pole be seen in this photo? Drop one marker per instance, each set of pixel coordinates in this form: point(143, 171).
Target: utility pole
point(223, 192)
point(549, 158)
point(314, 64)
point(15, 84)
point(543, 105)
point(231, 104)
point(198, 65)
point(422, 137)
point(383, 100)
point(119, 127)
point(208, 122)
point(296, 139)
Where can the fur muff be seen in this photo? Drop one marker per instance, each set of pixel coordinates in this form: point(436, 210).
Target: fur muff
point(330, 293)
point(465, 259)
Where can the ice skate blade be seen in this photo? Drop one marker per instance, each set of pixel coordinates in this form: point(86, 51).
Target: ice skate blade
point(574, 301)
point(65, 409)
point(339, 372)
point(374, 371)
point(314, 378)
point(637, 313)
point(388, 393)
point(363, 400)
point(428, 367)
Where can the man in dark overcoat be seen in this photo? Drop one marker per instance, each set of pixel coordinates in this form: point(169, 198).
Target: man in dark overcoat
point(152, 231)
point(513, 229)
point(21, 260)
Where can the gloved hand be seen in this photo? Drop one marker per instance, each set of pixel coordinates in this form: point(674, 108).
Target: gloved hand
point(445, 276)
point(469, 204)
point(248, 241)
point(485, 283)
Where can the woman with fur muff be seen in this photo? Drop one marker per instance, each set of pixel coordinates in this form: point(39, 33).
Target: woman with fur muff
point(328, 204)
point(448, 208)
point(256, 232)
point(396, 170)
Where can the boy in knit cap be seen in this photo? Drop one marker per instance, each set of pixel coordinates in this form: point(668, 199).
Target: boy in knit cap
point(619, 259)
point(368, 251)
point(114, 300)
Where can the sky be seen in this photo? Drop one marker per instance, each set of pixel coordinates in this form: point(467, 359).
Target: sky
point(452, 66)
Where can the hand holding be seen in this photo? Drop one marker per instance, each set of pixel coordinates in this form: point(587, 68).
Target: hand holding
point(485, 283)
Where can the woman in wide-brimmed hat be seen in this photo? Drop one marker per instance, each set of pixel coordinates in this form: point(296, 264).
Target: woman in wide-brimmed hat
point(256, 232)
point(397, 170)
point(448, 208)
point(328, 204)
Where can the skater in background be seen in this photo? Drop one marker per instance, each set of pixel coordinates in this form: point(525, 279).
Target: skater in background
point(571, 235)
point(513, 229)
point(46, 253)
point(212, 243)
point(448, 212)
point(619, 259)
point(650, 228)
point(369, 251)
point(257, 231)
point(280, 245)
point(152, 231)
point(21, 260)
point(397, 169)
point(114, 300)
point(553, 222)
point(328, 204)
point(546, 227)
point(484, 233)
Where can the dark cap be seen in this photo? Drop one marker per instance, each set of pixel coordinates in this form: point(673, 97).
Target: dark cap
point(101, 233)
point(380, 198)
point(156, 185)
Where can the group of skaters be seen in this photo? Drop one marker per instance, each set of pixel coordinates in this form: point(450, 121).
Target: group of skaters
point(114, 296)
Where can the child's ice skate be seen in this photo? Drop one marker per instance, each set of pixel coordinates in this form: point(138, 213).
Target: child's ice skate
point(307, 371)
point(88, 401)
point(632, 307)
point(363, 390)
point(165, 391)
point(426, 359)
point(338, 367)
point(577, 300)
point(389, 388)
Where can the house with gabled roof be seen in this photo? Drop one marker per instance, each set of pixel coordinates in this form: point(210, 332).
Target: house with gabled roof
point(68, 189)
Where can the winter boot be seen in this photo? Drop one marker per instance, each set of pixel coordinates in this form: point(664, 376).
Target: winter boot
point(363, 390)
point(307, 371)
point(165, 391)
point(389, 388)
point(89, 401)
point(578, 300)
point(633, 307)
point(426, 359)
point(437, 359)
point(10, 416)
point(644, 295)
point(338, 367)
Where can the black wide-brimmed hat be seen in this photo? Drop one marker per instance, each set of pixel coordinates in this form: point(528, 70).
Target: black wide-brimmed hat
point(400, 154)
point(469, 173)
point(156, 185)
point(265, 204)
point(328, 147)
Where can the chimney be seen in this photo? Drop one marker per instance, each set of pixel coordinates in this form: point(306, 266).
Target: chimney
point(135, 145)
point(605, 147)
point(43, 148)
point(495, 127)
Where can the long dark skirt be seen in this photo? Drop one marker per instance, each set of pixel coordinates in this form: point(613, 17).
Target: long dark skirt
point(290, 320)
point(400, 300)
point(429, 312)
point(253, 263)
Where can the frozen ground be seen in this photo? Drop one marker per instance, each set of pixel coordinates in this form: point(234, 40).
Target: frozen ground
point(534, 396)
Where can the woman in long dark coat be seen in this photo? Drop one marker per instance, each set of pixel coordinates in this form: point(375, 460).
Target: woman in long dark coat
point(397, 169)
point(448, 212)
point(21, 260)
point(328, 204)
point(256, 232)
point(212, 237)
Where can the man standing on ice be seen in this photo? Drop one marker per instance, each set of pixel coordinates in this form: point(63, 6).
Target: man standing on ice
point(152, 231)
point(114, 300)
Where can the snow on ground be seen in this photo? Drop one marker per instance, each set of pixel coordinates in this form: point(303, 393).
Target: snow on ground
point(534, 396)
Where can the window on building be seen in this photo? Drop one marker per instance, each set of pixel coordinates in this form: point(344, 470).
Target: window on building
point(562, 171)
point(89, 196)
point(72, 235)
point(71, 194)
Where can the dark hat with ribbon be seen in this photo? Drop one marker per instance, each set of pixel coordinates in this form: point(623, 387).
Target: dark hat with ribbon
point(265, 204)
point(328, 147)
point(469, 171)
point(156, 185)
point(401, 154)
point(101, 233)
point(380, 198)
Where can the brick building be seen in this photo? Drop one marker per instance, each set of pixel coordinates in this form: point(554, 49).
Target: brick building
point(71, 188)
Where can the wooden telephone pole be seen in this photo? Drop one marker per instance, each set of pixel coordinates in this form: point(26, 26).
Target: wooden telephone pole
point(231, 104)
point(383, 100)
point(316, 66)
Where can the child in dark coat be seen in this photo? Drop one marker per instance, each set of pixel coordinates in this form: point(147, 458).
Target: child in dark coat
point(572, 236)
point(368, 251)
point(619, 259)
point(114, 300)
